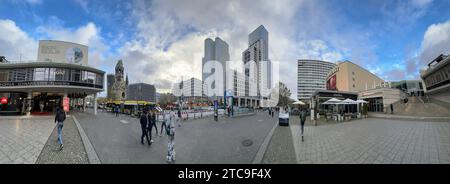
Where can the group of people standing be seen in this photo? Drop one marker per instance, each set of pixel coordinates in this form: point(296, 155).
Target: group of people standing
point(148, 122)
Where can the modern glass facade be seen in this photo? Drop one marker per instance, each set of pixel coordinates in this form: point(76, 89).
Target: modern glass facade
point(50, 76)
point(311, 76)
point(39, 87)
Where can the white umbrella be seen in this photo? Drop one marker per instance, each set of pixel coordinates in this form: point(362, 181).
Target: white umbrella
point(333, 101)
point(348, 101)
point(298, 103)
point(361, 101)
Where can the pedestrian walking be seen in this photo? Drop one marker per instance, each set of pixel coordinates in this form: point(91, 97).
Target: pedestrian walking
point(154, 119)
point(170, 129)
point(59, 120)
point(302, 120)
point(144, 123)
point(179, 117)
point(150, 126)
point(116, 109)
point(165, 119)
point(392, 109)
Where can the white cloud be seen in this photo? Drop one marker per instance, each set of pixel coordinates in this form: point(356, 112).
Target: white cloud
point(171, 33)
point(15, 44)
point(34, 1)
point(421, 3)
point(436, 41)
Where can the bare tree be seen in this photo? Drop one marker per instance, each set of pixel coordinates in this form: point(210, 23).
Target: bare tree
point(285, 95)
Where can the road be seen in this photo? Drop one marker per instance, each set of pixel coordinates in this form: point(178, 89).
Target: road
point(117, 140)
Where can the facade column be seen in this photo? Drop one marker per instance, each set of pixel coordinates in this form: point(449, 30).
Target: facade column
point(95, 103)
point(84, 104)
point(28, 110)
point(239, 102)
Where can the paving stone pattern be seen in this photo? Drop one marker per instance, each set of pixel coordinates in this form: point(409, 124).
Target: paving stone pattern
point(374, 141)
point(22, 139)
point(73, 152)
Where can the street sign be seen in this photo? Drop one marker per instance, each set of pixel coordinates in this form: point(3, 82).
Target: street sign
point(66, 104)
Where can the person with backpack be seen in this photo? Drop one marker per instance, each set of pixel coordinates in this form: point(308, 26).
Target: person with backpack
point(302, 120)
point(170, 130)
point(144, 123)
point(59, 120)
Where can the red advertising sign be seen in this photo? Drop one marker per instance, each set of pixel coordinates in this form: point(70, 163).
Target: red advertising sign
point(4, 100)
point(66, 104)
point(331, 83)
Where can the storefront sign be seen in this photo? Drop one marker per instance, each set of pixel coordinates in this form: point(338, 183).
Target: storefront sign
point(331, 83)
point(4, 100)
point(48, 83)
point(66, 104)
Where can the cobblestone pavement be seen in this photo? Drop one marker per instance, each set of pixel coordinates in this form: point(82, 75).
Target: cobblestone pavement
point(22, 139)
point(117, 140)
point(73, 152)
point(281, 148)
point(374, 141)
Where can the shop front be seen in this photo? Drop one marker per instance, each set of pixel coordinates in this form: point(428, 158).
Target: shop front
point(39, 88)
point(380, 98)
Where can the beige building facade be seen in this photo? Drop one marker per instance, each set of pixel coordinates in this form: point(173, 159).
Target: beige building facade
point(348, 76)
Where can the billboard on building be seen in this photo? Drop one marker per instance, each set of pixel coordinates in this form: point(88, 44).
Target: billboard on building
point(331, 83)
point(62, 52)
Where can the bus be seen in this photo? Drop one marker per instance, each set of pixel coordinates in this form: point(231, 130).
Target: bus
point(130, 107)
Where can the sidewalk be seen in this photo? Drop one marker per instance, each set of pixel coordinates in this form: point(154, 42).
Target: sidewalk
point(73, 152)
point(402, 117)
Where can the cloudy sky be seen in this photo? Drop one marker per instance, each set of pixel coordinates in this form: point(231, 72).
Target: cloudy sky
point(162, 40)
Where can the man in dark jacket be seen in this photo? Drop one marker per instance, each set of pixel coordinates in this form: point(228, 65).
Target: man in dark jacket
point(59, 119)
point(144, 123)
point(152, 123)
point(302, 120)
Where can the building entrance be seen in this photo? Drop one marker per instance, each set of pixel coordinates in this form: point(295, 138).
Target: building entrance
point(375, 104)
point(45, 103)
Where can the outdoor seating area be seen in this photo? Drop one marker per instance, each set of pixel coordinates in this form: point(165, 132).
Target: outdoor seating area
point(345, 110)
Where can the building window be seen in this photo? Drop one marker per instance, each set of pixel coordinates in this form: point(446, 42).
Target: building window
point(41, 74)
point(353, 85)
point(353, 73)
point(76, 76)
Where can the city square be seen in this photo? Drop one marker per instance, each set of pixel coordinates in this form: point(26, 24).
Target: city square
point(205, 141)
point(338, 82)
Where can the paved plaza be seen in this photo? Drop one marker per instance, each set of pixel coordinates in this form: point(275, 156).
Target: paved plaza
point(230, 140)
point(117, 140)
point(22, 139)
point(373, 141)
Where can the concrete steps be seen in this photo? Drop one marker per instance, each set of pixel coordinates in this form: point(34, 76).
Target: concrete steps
point(416, 107)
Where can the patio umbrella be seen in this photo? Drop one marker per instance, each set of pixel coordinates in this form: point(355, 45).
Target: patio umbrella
point(348, 101)
point(298, 103)
point(332, 101)
point(361, 101)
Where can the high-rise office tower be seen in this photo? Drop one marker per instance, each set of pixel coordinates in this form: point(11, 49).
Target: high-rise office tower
point(216, 51)
point(258, 51)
